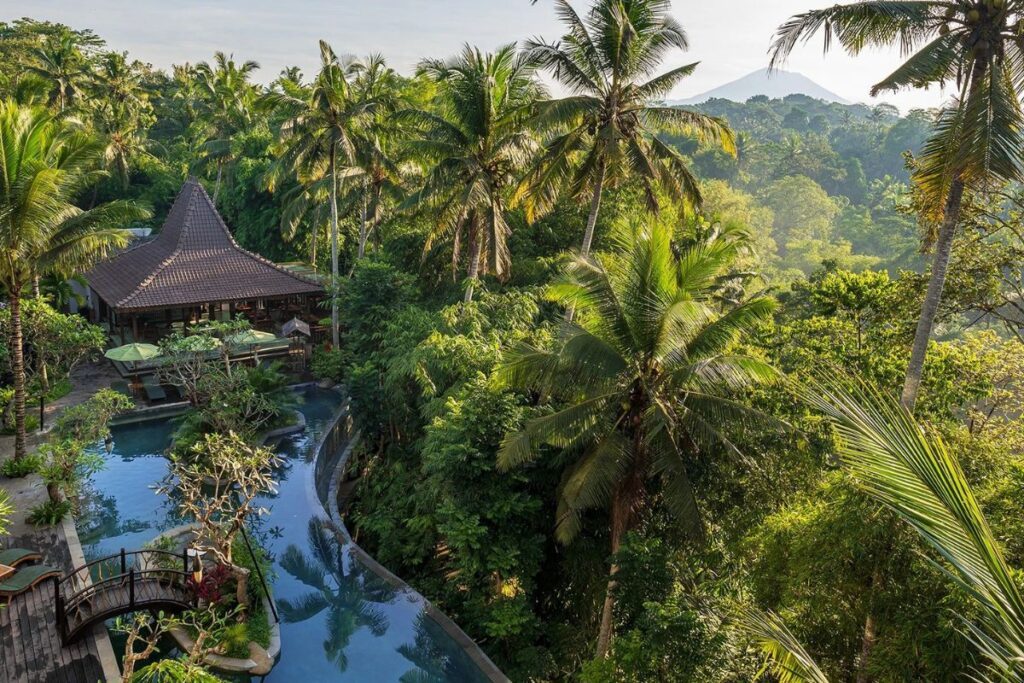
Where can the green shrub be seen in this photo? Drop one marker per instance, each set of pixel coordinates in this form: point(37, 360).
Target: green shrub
point(328, 364)
point(234, 641)
point(16, 469)
point(49, 513)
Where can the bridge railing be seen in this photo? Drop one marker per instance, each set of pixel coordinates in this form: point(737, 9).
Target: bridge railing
point(114, 572)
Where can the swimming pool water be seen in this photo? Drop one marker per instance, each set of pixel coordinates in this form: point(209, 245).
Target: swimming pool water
point(340, 622)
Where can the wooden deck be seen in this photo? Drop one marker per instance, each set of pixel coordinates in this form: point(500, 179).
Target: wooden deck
point(31, 650)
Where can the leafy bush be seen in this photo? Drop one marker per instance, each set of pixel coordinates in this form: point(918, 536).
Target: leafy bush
point(16, 469)
point(234, 641)
point(49, 513)
point(328, 364)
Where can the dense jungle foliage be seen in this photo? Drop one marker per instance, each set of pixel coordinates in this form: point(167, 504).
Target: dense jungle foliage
point(539, 420)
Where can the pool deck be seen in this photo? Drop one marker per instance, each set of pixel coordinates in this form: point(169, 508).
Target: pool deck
point(31, 650)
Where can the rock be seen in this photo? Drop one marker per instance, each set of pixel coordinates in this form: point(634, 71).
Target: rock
point(262, 660)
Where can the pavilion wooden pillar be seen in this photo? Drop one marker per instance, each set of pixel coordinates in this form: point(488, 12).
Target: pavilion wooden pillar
point(135, 328)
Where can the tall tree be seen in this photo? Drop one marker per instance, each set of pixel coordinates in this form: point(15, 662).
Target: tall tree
point(229, 99)
point(61, 65)
point(475, 148)
point(645, 374)
point(378, 166)
point(43, 166)
point(607, 127)
point(977, 138)
point(318, 138)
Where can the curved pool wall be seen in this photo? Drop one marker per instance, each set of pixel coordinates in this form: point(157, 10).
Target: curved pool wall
point(344, 618)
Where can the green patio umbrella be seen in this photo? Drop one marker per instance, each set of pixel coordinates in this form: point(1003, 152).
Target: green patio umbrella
point(251, 337)
point(133, 353)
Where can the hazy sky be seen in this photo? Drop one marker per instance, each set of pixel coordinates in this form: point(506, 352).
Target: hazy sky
point(729, 37)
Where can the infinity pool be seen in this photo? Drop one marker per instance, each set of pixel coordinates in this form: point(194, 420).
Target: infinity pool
point(345, 623)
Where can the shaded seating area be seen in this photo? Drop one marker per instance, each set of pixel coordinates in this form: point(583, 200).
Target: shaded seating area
point(193, 271)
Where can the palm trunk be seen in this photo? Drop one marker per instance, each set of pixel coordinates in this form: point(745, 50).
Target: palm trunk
point(940, 265)
point(588, 235)
point(18, 369)
point(36, 291)
point(363, 230)
point(375, 220)
point(474, 265)
point(335, 331)
point(216, 185)
point(618, 527)
point(869, 635)
point(933, 297)
point(595, 209)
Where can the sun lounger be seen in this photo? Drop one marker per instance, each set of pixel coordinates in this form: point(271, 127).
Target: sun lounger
point(151, 385)
point(12, 557)
point(25, 579)
point(121, 388)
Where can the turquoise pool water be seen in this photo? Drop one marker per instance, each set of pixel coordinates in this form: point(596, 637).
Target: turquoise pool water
point(340, 622)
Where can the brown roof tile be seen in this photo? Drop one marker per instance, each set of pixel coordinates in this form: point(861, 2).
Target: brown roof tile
point(193, 260)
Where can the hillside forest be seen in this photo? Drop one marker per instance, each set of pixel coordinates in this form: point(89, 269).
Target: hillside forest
point(606, 355)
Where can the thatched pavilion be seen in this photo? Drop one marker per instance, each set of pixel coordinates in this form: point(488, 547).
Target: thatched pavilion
point(194, 270)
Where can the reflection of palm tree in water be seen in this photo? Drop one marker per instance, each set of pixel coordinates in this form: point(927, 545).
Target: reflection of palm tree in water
point(432, 662)
point(340, 585)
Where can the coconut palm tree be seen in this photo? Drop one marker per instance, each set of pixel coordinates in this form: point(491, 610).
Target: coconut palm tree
point(61, 65)
point(43, 167)
point(910, 470)
point(977, 138)
point(121, 114)
point(318, 140)
point(348, 591)
point(229, 98)
point(607, 127)
point(645, 372)
point(380, 173)
point(475, 147)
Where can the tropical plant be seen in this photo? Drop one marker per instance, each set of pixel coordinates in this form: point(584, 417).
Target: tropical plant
point(786, 658)
point(346, 589)
point(475, 147)
point(909, 469)
point(6, 510)
point(976, 139)
point(228, 100)
point(647, 374)
point(380, 169)
point(44, 166)
point(606, 129)
point(318, 139)
point(60, 64)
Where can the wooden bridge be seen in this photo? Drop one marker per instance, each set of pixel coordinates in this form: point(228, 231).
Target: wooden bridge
point(127, 582)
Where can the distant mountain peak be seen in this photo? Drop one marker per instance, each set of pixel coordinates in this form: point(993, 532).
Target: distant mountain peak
point(774, 84)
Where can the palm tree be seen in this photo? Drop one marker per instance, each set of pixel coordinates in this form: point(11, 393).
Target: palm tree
point(229, 100)
point(909, 469)
point(475, 147)
point(608, 125)
point(347, 590)
point(318, 140)
point(646, 371)
point(43, 166)
point(122, 114)
point(380, 177)
point(60, 64)
point(977, 138)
